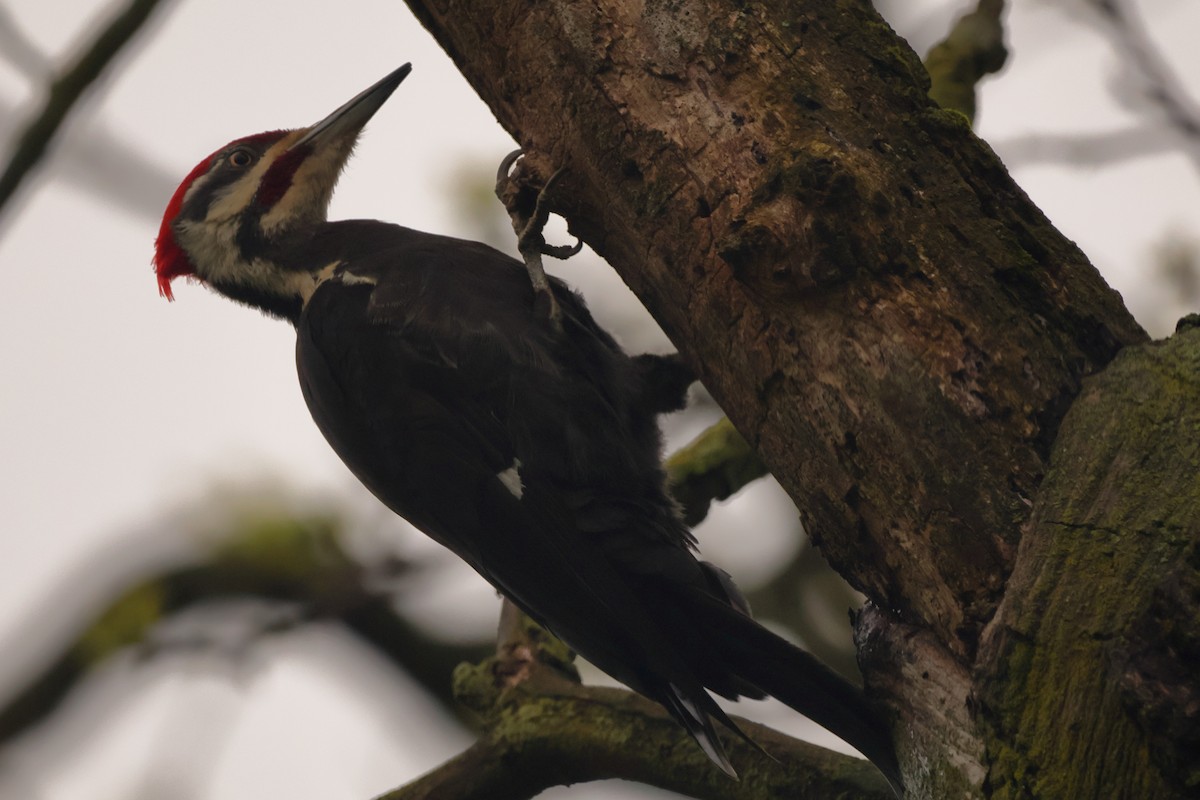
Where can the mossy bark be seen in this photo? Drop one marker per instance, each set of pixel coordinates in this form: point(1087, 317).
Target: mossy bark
point(878, 308)
point(1094, 657)
point(541, 728)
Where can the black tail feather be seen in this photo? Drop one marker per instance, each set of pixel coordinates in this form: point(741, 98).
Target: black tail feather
point(697, 718)
point(799, 680)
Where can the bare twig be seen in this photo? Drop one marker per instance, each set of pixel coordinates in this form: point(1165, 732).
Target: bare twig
point(1159, 85)
point(1086, 150)
point(66, 91)
point(17, 49)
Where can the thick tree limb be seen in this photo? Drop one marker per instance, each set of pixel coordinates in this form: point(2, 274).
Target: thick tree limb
point(1100, 632)
point(876, 306)
point(797, 246)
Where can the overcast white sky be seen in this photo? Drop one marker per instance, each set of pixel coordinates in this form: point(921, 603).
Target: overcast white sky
point(115, 406)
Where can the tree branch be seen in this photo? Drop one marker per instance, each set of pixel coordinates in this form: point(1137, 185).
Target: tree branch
point(1160, 86)
point(874, 303)
point(974, 48)
point(714, 466)
point(1087, 150)
point(66, 90)
point(790, 241)
point(1100, 632)
point(298, 563)
point(541, 728)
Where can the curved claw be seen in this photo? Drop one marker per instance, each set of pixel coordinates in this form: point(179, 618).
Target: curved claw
point(507, 162)
point(527, 224)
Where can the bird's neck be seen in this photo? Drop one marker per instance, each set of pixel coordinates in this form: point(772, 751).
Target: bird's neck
point(270, 274)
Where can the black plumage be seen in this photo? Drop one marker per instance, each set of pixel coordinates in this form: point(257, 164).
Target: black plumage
point(426, 367)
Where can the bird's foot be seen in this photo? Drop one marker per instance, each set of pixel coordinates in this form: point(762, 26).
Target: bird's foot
point(529, 208)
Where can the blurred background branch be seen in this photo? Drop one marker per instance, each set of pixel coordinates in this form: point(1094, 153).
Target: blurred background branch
point(712, 467)
point(1143, 82)
point(973, 48)
point(66, 90)
point(299, 567)
point(1147, 80)
point(299, 572)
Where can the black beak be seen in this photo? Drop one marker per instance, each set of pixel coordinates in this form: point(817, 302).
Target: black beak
point(350, 118)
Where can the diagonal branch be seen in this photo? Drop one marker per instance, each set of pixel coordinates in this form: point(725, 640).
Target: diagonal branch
point(66, 91)
point(1160, 85)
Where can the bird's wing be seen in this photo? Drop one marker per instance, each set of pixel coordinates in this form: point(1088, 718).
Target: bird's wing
point(458, 413)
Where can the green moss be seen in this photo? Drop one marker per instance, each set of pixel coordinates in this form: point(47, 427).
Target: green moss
point(126, 622)
point(1117, 516)
point(301, 550)
point(713, 466)
point(876, 40)
point(945, 121)
point(475, 688)
point(974, 48)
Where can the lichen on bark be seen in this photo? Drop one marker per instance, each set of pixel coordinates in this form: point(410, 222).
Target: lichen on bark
point(1067, 667)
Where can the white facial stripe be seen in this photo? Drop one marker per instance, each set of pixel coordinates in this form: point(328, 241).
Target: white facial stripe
point(195, 187)
point(212, 243)
point(511, 478)
point(232, 200)
point(211, 247)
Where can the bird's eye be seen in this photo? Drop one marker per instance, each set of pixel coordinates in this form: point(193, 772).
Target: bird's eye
point(240, 158)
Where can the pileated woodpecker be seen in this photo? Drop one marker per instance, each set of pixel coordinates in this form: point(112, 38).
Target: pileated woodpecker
point(530, 450)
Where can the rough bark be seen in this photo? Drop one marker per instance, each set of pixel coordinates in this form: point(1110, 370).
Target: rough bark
point(1093, 657)
point(878, 308)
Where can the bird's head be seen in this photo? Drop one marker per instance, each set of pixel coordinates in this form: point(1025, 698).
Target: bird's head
point(225, 222)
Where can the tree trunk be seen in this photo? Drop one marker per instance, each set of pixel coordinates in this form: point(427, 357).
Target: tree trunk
point(899, 332)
